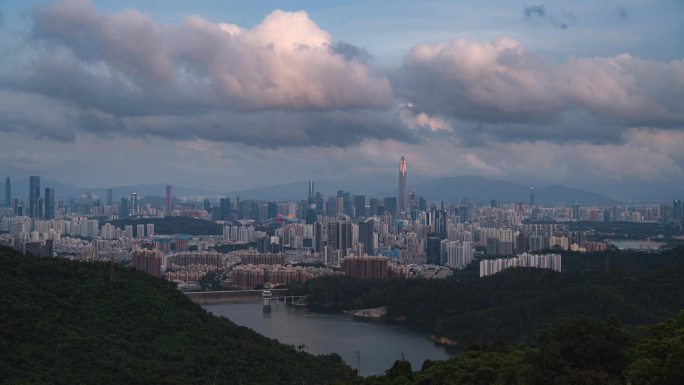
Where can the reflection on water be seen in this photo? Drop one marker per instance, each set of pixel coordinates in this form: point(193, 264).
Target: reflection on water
point(374, 345)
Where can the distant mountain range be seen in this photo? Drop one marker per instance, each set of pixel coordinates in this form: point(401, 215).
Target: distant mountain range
point(449, 189)
point(20, 189)
point(478, 189)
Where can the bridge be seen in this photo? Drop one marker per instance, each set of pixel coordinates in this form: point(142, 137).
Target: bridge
point(289, 298)
point(241, 296)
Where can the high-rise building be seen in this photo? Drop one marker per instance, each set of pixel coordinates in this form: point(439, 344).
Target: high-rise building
point(360, 206)
point(440, 223)
point(8, 192)
point(403, 196)
point(124, 209)
point(531, 196)
point(140, 231)
point(169, 198)
point(110, 197)
point(225, 208)
point(366, 236)
point(677, 209)
point(148, 260)
point(311, 197)
point(391, 206)
point(374, 203)
point(318, 237)
point(365, 267)
point(576, 212)
point(134, 203)
point(34, 196)
point(49, 203)
point(340, 236)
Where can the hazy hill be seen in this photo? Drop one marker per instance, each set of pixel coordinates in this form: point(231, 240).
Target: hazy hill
point(478, 189)
point(20, 189)
point(67, 322)
point(448, 189)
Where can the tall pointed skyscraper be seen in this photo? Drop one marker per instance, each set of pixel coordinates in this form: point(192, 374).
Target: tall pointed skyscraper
point(403, 196)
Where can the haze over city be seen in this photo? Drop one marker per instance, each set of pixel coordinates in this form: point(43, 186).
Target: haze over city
point(226, 96)
point(341, 192)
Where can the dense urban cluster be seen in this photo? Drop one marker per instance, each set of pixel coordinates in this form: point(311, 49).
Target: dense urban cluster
point(400, 236)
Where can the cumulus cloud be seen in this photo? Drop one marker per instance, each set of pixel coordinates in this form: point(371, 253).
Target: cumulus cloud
point(283, 82)
point(286, 82)
point(285, 62)
point(501, 85)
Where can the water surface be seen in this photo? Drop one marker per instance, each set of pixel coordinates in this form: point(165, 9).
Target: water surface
point(378, 344)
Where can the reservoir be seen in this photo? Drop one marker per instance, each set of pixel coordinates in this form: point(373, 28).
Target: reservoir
point(373, 344)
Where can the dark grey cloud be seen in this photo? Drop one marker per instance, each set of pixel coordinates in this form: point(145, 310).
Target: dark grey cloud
point(271, 129)
point(622, 12)
point(538, 13)
point(534, 11)
point(351, 52)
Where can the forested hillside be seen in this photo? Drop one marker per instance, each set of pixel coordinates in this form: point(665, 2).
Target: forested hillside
point(516, 304)
point(575, 352)
point(69, 322)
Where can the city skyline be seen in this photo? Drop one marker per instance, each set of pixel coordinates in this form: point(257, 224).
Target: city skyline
point(342, 191)
point(567, 93)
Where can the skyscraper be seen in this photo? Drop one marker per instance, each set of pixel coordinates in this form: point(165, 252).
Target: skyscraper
point(34, 196)
point(124, 209)
point(576, 212)
point(531, 196)
point(49, 203)
point(110, 197)
point(360, 206)
point(403, 197)
point(440, 223)
point(312, 194)
point(8, 192)
point(225, 208)
point(366, 236)
point(677, 212)
point(391, 206)
point(169, 198)
point(134, 203)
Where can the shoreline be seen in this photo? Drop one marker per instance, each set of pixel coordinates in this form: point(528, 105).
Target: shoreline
point(443, 340)
point(371, 313)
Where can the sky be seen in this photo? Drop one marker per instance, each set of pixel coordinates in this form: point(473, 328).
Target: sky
point(227, 95)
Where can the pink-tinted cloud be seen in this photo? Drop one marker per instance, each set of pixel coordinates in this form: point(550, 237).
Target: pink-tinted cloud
point(285, 62)
point(500, 82)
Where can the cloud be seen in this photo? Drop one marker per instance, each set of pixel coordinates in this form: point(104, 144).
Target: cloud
point(287, 83)
point(479, 81)
point(538, 14)
point(285, 62)
point(622, 12)
point(283, 82)
point(511, 93)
